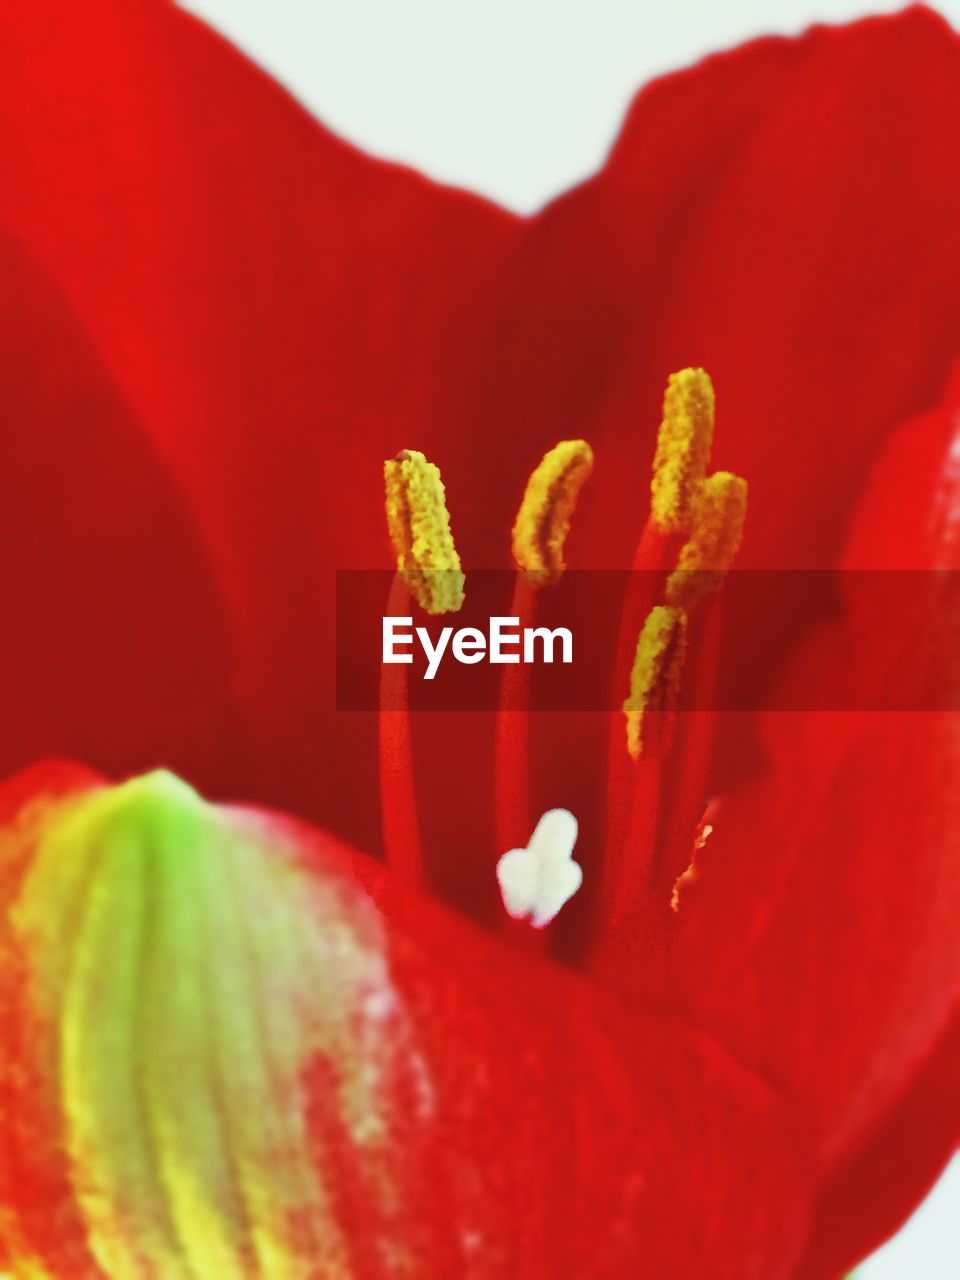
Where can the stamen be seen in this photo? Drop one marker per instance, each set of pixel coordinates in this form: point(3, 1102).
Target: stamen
point(539, 535)
point(686, 774)
point(402, 847)
point(657, 665)
point(718, 513)
point(683, 448)
point(543, 521)
point(428, 568)
point(535, 882)
point(419, 526)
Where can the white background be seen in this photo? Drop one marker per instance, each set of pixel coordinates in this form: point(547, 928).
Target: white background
point(519, 99)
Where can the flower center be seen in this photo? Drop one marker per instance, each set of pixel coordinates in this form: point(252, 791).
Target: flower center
point(657, 755)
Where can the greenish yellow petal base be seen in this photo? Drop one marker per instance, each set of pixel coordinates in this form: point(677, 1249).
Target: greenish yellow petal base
point(189, 970)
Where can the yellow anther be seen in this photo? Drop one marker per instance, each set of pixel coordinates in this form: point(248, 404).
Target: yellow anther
point(543, 521)
point(419, 526)
point(716, 529)
point(655, 678)
point(683, 448)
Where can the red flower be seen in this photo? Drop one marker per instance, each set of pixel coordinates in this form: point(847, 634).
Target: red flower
point(220, 321)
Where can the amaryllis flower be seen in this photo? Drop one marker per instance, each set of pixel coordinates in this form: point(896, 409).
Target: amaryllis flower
point(235, 1046)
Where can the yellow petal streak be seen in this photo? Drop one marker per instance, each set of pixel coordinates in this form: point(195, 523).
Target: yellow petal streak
point(657, 665)
point(190, 970)
point(419, 527)
point(716, 529)
point(543, 521)
point(683, 448)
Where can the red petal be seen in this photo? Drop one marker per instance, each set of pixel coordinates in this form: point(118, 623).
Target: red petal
point(822, 938)
point(534, 1127)
point(783, 215)
point(38, 1211)
point(569, 1136)
point(279, 313)
point(113, 647)
point(276, 314)
point(875, 1192)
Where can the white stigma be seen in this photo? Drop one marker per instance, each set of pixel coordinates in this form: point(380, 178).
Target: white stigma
point(536, 881)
